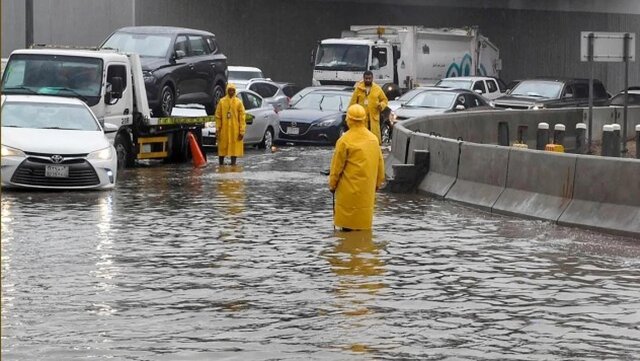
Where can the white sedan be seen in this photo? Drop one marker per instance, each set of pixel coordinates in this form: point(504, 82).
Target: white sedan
point(54, 143)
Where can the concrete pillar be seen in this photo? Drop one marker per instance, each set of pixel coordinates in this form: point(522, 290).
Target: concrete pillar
point(503, 134)
point(581, 138)
point(542, 136)
point(558, 134)
point(615, 148)
point(607, 141)
point(638, 141)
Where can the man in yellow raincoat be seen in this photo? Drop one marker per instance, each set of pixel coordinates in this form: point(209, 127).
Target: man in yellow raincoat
point(371, 96)
point(230, 126)
point(357, 172)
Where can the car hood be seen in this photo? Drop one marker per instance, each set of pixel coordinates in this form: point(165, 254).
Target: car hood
point(418, 112)
point(307, 115)
point(53, 140)
point(520, 99)
point(394, 104)
point(152, 63)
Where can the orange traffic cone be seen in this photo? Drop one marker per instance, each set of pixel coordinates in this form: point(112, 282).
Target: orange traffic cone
point(196, 154)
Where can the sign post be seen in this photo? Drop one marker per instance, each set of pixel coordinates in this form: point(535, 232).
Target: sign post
point(608, 47)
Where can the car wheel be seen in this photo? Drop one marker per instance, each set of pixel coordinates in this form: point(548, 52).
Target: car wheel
point(218, 93)
point(124, 151)
point(167, 101)
point(385, 133)
point(267, 139)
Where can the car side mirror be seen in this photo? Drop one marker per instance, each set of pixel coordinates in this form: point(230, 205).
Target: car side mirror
point(110, 128)
point(117, 87)
point(568, 96)
point(179, 54)
point(478, 91)
point(460, 107)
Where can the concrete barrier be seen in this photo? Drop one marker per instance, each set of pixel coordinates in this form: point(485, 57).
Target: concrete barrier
point(443, 165)
point(539, 184)
point(482, 175)
point(606, 196)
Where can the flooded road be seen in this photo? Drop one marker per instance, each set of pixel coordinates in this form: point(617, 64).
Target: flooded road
point(242, 263)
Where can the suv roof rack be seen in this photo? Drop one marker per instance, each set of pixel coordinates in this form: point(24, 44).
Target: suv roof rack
point(54, 46)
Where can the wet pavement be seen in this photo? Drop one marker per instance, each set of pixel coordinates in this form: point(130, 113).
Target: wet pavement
point(242, 263)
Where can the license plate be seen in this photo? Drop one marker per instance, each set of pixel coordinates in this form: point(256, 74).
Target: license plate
point(56, 171)
point(293, 130)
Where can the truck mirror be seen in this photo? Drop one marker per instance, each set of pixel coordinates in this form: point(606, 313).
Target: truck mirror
point(179, 54)
point(116, 87)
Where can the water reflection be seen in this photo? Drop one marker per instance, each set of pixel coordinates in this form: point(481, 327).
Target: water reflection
point(231, 188)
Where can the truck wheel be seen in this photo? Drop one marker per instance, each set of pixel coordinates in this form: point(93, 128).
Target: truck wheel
point(179, 148)
point(267, 139)
point(167, 101)
point(124, 151)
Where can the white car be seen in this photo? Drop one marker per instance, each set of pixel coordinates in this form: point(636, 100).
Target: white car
point(486, 86)
point(261, 119)
point(240, 75)
point(54, 142)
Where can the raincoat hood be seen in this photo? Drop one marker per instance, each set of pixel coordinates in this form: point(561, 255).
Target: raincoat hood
point(229, 87)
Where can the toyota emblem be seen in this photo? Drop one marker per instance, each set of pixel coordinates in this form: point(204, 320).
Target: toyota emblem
point(57, 158)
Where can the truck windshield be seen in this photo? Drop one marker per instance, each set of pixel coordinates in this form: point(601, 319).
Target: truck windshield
point(67, 76)
point(39, 115)
point(342, 57)
point(145, 45)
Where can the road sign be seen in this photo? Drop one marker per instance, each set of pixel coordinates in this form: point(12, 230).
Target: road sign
point(607, 47)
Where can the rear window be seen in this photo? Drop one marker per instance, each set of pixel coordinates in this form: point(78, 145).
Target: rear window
point(290, 90)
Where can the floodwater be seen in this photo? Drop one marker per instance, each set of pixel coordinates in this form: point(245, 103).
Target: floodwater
point(242, 263)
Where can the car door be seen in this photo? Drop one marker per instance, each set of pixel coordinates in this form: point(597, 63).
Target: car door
point(479, 87)
point(181, 70)
point(201, 64)
point(493, 91)
point(255, 118)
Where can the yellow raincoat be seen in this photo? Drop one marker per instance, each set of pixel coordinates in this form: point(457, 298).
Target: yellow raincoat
point(230, 124)
point(373, 103)
point(357, 171)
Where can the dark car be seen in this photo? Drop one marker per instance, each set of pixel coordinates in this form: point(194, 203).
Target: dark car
point(633, 97)
point(317, 118)
point(552, 93)
point(434, 101)
point(179, 65)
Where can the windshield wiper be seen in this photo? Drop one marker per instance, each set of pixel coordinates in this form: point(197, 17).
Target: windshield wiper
point(82, 97)
point(4, 90)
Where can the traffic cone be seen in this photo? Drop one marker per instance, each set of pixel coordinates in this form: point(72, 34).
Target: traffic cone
point(198, 158)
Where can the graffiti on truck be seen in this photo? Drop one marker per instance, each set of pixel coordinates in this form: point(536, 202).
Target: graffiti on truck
point(464, 68)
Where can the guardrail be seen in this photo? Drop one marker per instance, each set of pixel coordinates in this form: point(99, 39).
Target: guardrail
point(467, 166)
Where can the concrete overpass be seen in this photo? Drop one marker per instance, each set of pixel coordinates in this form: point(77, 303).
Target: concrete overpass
point(535, 38)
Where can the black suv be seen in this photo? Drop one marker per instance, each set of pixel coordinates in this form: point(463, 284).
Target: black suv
point(179, 65)
point(552, 93)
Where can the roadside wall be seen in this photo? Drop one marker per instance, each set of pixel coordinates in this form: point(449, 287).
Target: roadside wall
point(594, 192)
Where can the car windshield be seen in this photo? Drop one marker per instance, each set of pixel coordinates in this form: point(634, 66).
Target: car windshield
point(409, 95)
point(244, 75)
point(323, 101)
point(538, 89)
point(69, 76)
point(455, 83)
point(342, 57)
point(16, 114)
point(432, 99)
point(634, 99)
point(145, 45)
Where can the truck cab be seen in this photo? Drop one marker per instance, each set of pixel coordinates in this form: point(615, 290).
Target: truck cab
point(342, 61)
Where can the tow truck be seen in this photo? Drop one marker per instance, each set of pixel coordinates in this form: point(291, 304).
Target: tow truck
point(112, 84)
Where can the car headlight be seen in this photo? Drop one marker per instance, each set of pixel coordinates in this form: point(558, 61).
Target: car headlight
point(102, 154)
point(326, 123)
point(147, 75)
point(12, 152)
point(210, 124)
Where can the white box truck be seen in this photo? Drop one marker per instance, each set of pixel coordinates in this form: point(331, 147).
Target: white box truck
point(112, 84)
point(403, 57)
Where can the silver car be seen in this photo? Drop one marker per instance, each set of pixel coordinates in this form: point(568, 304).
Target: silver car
point(262, 122)
point(276, 94)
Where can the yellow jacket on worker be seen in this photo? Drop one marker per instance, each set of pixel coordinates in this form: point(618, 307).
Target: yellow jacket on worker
point(230, 125)
point(357, 171)
point(374, 102)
